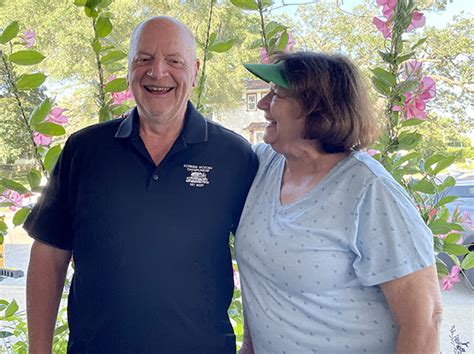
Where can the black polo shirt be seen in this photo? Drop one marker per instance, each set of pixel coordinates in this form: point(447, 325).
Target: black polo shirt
point(150, 243)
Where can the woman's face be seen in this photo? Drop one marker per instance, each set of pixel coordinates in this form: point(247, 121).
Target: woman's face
point(285, 118)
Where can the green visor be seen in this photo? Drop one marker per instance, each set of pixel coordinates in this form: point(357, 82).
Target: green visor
point(269, 73)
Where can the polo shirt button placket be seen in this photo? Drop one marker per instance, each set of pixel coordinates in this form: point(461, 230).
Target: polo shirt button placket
point(155, 178)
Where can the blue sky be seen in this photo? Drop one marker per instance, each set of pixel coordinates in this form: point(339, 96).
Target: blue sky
point(432, 19)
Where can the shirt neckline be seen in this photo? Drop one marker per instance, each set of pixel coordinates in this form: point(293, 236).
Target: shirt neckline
point(312, 191)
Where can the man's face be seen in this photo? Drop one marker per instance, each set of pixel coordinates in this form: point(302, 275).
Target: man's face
point(162, 71)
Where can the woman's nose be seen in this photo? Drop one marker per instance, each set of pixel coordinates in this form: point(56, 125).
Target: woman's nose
point(264, 102)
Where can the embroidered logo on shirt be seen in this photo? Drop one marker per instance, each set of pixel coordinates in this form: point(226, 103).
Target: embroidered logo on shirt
point(198, 175)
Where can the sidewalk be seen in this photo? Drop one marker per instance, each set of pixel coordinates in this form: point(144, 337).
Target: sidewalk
point(458, 303)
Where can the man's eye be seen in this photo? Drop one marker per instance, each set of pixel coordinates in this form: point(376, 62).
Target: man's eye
point(175, 61)
point(142, 60)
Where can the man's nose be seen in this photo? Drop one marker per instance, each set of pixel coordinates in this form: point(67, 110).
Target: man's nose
point(157, 69)
point(264, 103)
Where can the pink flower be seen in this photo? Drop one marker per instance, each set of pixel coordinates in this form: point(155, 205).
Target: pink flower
point(427, 88)
point(388, 7)
point(417, 20)
point(120, 97)
point(432, 214)
point(236, 278)
point(41, 139)
point(467, 219)
point(383, 27)
point(449, 280)
point(30, 38)
point(373, 152)
point(56, 116)
point(413, 107)
point(12, 197)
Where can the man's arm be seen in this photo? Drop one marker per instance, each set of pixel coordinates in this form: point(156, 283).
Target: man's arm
point(45, 281)
point(416, 306)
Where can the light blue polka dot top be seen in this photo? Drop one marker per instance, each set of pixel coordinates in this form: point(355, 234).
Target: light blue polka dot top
point(309, 270)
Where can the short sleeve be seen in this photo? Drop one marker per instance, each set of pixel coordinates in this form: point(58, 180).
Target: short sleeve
point(50, 219)
point(392, 240)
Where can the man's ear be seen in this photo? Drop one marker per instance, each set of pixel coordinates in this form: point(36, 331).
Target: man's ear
point(196, 72)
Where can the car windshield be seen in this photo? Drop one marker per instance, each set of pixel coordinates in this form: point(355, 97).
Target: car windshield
point(462, 191)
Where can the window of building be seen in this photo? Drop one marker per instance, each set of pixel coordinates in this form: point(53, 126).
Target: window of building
point(251, 102)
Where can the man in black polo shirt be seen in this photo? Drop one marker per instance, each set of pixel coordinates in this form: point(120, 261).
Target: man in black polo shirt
point(145, 205)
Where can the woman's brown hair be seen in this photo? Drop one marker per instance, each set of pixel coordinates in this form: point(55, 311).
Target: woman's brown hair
point(334, 99)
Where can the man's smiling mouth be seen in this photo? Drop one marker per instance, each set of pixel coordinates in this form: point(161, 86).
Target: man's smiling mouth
point(157, 89)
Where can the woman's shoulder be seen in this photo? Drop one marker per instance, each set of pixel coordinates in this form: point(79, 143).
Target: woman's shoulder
point(264, 152)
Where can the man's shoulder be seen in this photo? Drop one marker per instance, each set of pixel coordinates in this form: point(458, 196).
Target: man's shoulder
point(97, 131)
point(223, 134)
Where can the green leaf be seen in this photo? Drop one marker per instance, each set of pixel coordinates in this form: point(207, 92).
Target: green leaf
point(103, 27)
point(20, 216)
point(386, 57)
point(448, 182)
point(456, 227)
point(41, 111)
point(221, 46)
point(454, 249)
point(11, 309)
point(380, 86)
point(256, 44)
point(13, 185)
point(423, 186)
point(441, 268)
point(245, 4)
point(446, 200)
point(105, 114)
point(60, 329)
point(80, 2)
point(30, 81)
point(116, 85)
point(26, 57)
point(96, 47)
point(34, 178)
point(404, 57)
point(273, 28)
point(439, 227)
point(9, 32)
point(468, 261)
point(49, 128)
point(420, 42)
point(282, 41)
point(443, 164)
point(408, 141)
point(5, 334)
point(383, 75)
point(51, 157)
point(430, 161)
point(406, 86)
point(90, 12)
point(411, 156)
point(113, 56)
point(411, 122)
point(452, 238)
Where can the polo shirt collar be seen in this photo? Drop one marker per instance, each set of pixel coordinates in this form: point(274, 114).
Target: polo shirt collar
point(194, 130)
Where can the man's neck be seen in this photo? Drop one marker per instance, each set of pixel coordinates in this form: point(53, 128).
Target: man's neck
point(159, 137)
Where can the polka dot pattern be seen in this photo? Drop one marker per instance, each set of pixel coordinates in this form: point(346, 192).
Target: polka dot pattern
point(310, 269)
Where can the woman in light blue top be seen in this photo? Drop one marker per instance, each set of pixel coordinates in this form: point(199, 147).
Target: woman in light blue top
point(333, 255)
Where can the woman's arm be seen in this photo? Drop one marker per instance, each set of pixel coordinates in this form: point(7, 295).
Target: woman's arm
point(247, 347)
point(416, 306)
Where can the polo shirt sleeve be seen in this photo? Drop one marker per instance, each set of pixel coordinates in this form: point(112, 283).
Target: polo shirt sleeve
point(50, 219)
point(392, 240)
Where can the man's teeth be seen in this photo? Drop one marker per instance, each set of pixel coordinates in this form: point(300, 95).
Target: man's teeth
point(158, 89)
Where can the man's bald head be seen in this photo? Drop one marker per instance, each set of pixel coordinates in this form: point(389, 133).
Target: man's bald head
point(157, 21)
